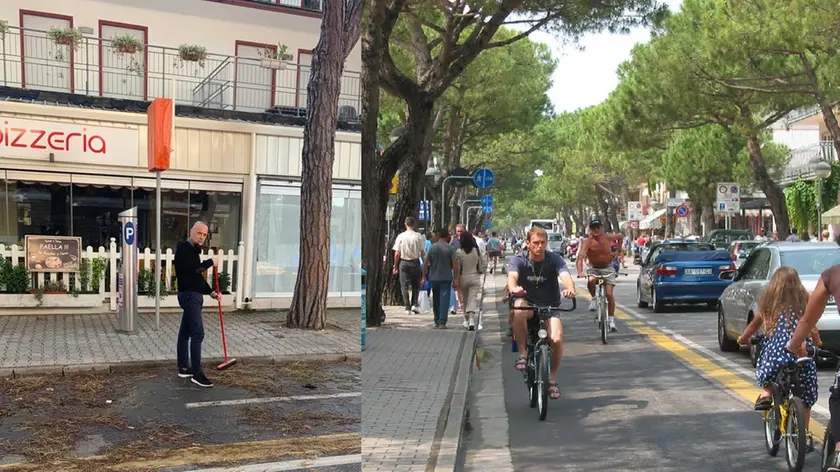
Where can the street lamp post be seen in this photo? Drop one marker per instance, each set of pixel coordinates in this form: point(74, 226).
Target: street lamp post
point(443, 195)
point(433, 173)
point(822, 170)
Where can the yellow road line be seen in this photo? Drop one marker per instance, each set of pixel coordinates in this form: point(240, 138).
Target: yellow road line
point(728, 379)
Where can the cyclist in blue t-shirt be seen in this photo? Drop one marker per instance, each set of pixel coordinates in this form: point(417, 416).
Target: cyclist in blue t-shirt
point(534, 279)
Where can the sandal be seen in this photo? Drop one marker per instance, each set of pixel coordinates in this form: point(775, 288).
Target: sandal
point(553, 391)
point(521, 363)
point(763, 403)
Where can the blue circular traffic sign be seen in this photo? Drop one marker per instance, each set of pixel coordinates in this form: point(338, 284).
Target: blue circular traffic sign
point(682, 211)
point(483, 178)
point(128, 233)
point(487, 200)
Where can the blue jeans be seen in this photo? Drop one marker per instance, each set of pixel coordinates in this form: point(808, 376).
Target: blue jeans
point(441, 291)
point(191, 333)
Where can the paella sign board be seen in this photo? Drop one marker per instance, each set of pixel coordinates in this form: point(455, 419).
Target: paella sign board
point(53, 253)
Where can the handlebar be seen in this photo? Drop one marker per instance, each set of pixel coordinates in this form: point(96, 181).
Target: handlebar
point(812, 351)
point(548, 309)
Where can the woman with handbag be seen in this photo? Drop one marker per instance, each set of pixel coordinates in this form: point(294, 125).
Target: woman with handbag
point(472, 267)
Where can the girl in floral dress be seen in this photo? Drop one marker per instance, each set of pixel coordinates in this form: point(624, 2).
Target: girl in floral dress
point(780, 307)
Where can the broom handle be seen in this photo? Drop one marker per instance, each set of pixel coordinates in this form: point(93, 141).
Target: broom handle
point(221, 317)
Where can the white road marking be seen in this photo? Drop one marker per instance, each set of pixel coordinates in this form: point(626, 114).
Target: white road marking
point(250, 401)
point(291, 465)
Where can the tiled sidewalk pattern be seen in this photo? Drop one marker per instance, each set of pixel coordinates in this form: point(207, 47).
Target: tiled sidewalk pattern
point(32, 340)
point(408, 370)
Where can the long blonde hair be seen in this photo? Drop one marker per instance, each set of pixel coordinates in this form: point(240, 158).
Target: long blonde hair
point(784, 294)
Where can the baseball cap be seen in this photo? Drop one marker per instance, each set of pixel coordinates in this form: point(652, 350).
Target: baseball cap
point(595, 223)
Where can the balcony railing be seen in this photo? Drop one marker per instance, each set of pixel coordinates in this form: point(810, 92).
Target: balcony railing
point(801, 158)
point(30, 59)
point(314, 5)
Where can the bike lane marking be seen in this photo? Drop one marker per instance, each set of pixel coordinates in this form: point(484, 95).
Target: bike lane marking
point(729, 380)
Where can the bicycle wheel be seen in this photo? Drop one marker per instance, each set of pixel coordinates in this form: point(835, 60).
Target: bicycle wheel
point(772, 428)
point(542, 380)
point(828, 447)
point(795, 439)
point(602, 320)
point(530, 379)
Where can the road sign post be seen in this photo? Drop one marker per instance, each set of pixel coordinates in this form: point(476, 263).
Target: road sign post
point(483, 178)
point(728, 200)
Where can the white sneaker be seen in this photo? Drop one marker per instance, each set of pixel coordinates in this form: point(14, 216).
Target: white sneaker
point(466, 324)
point(415, 309)
point(480, 327)
point(593, 305)
point(613, 327)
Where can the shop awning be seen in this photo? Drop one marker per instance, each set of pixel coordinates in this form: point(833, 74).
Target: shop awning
point(832, 217)
point(652, 220)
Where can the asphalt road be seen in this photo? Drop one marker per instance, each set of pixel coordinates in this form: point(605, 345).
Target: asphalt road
point(255, 414)
point(646, 401)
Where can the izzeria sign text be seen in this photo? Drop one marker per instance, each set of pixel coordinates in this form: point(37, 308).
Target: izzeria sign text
point(69, 142)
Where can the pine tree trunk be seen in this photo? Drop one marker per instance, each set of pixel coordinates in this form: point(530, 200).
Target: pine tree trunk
point(309, 302)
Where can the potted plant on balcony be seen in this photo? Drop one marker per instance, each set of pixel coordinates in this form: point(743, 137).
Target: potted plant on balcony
point(128, 45)
point(275, 58)
point(4, 29)
point(191, 53)
point(70, 37)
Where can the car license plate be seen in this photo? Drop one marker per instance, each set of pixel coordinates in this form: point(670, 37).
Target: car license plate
point(698, 272)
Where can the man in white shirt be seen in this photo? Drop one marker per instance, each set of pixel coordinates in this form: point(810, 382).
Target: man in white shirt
point(762, 237)
point(409, 247)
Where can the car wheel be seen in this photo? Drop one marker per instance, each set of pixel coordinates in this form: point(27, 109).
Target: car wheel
point(639, 302)
point(725, 343)
point(658, 305)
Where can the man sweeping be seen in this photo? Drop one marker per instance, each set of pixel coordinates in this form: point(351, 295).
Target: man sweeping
point(192, 286)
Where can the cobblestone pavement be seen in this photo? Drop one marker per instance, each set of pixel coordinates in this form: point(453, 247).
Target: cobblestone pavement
point(32, 342)
point(408, 371)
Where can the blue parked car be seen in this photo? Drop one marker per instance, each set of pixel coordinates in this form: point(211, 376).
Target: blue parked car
point(682, 272)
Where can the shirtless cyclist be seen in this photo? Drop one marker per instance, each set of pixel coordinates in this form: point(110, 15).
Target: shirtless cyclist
point(597, 251)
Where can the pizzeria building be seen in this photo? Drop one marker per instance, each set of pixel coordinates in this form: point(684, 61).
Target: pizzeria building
point(68, 170)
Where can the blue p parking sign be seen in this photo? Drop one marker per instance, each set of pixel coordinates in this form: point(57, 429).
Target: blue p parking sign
point(128, 233)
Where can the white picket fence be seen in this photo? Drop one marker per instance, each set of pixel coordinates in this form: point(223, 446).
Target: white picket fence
point(146, 260)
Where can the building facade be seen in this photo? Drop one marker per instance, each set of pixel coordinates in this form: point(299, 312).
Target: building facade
point(75, 79)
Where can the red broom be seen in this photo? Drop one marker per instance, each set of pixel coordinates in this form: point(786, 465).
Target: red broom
point(228, 361)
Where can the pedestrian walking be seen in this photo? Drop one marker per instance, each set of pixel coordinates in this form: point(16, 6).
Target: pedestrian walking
point(440, 263)
point(192, 286)
point(472, 266)
point(408, 250)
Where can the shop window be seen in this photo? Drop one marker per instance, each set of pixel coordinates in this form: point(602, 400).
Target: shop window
point(37, 208)
point(174, 217)
point(95, 210)
point(221, 211)
point(277, 237)
point(278, 242)
point(6, 236)
point(345, 243)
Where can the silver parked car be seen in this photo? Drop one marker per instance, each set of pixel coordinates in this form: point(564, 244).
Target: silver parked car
point(739, 302)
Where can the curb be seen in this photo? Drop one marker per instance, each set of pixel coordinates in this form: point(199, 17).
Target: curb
point(133, 366)
point(451, 443)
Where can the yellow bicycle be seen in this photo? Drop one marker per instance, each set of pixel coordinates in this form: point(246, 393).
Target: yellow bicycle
point(785, 419)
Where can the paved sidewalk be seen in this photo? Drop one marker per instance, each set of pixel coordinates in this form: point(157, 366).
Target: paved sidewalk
point(412, 378)
point(38, 343)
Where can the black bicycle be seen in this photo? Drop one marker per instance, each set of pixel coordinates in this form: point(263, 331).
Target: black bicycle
point(539, 354)
point(785, 419)
point(829, 439)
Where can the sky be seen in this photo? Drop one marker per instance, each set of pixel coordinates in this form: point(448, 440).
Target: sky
point(586, 77)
